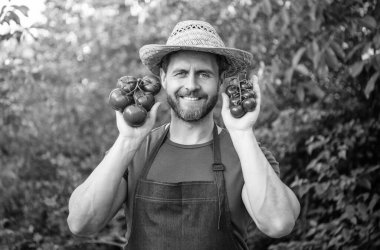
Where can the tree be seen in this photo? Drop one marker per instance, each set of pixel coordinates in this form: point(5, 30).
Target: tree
point(320, 62)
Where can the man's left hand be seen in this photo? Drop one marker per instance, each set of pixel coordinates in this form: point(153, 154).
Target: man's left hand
point(249, 119)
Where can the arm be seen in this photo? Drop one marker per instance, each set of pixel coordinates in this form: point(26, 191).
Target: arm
point(271, 204)
point(94, 203)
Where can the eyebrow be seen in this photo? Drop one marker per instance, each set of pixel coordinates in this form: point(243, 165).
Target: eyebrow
point(205, 70)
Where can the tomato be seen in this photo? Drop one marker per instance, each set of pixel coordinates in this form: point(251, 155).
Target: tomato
point(135, 115)
point(232, 90)
point(151, 84)
point(237, 111)
point(249, 104)
point(144, 99)
point(127, 83)
point(119, 100)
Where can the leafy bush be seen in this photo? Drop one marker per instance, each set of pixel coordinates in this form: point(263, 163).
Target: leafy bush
point(320, 62)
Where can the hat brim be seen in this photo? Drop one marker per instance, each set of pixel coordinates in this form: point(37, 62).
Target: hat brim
point(237, 60)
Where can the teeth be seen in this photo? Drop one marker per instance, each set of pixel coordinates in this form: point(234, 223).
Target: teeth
point(190, 98)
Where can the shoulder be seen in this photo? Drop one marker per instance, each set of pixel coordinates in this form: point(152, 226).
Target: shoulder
point(158, 131)
point(155, 134)
point(151, 139)
point(145, 149)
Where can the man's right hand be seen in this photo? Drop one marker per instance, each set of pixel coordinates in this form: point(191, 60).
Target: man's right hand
point(139, 133)
point(93, 203)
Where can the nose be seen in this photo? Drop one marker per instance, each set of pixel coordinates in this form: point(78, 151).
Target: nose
point(192, 82)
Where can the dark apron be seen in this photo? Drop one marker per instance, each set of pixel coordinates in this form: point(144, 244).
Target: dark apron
point(190, 215)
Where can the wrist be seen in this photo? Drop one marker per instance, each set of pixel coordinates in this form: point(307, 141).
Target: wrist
point(242, 133)
point(240, 138)
point(128, 142)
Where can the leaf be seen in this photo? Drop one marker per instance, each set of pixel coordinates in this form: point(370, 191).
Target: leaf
point(331, 60)
point(356, 68)
point(266, 7)
point(316, 143)
point(317, 54)
point(316, 90)
point(365, 183)
point(321, 188)
point(368, 22)
point(363, 211)
point(311, 232)
point(272, 23)
point(297, 56)
point(22, 8)
point(373, 169)
point(350, 211)
point(302, 191)
point(303, 70)
point(285, 18)
point(376, 41)
point(373, 202)
point(6, 19)
point(37, 237)
point(342, 154)
point(300, 93)
point(354, 50)
point(13, 16)
point(353, 220)
point(346, 234)
point(289, 75)
point(254, 11)
point(371, 84)
point(338, 50)
point(2, 10)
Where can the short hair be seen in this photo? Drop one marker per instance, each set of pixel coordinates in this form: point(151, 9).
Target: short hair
point(221, 61)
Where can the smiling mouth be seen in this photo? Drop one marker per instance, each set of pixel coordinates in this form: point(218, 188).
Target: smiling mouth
point(189, 98)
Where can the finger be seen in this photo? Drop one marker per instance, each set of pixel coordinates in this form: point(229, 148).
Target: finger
point(256, 87)
point(255, 82)
point(252, 75)
point(119, 115)
point(226, 102)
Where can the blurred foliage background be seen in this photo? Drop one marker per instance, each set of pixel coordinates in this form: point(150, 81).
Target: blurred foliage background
point(320, 66)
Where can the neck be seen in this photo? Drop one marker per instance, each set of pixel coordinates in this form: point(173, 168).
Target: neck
point(189, 133)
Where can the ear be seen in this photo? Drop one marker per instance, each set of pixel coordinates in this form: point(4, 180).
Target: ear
point(163, 78)
point(222, 78)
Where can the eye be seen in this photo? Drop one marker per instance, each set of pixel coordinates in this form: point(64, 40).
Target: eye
point(204, 75)
point(180, 73)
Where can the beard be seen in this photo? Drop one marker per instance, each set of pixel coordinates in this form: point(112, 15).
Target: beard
point(192, 114)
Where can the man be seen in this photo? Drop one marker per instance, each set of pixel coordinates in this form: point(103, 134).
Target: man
point(188, 184)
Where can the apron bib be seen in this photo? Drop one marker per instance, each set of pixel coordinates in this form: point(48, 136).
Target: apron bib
point(190, 215)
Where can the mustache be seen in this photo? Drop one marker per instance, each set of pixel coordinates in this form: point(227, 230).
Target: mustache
point(187, 93)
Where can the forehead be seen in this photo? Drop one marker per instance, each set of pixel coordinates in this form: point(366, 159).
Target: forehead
point(199, 60)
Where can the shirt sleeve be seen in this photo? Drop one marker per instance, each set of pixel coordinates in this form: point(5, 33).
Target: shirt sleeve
point(272, 161)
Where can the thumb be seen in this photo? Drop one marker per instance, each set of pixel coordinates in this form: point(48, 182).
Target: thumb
point(153, 111)
point(226, 102)
point(252, 76)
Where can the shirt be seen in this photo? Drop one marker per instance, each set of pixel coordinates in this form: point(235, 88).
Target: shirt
point(177, 163)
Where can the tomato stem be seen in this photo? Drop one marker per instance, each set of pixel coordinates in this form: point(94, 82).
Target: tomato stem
point(138, 84)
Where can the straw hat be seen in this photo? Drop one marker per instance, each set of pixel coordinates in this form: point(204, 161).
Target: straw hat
point(197, 36)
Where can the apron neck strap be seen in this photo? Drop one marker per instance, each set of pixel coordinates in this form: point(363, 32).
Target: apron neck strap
point(216, 146)
point(153, 155)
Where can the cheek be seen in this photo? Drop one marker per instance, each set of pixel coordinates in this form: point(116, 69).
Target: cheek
point(212, 88)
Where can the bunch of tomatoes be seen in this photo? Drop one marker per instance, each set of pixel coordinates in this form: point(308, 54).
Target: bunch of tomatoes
point(134, 97)
point(242, 98)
